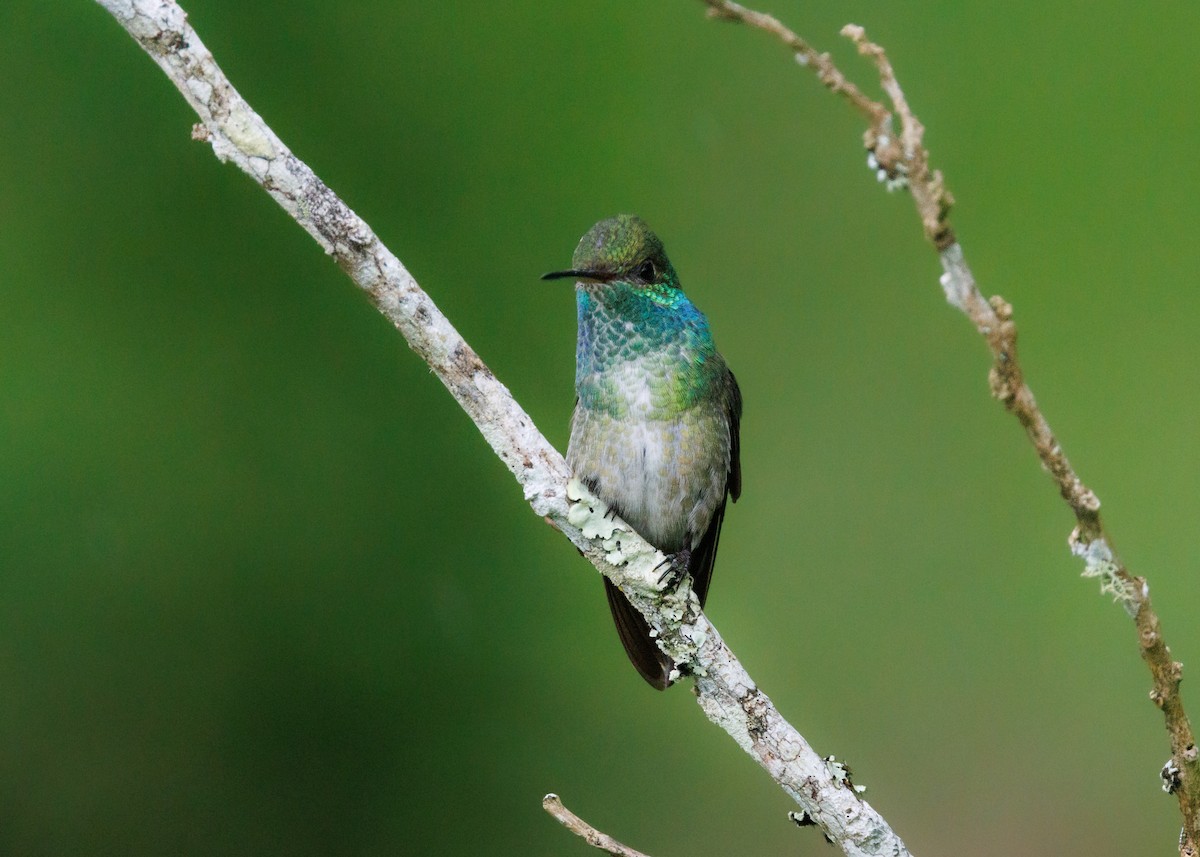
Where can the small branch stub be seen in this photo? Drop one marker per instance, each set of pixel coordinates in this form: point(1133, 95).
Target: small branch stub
point(553, 805)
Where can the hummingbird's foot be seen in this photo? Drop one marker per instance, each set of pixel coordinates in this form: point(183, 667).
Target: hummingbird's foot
point(674, 568)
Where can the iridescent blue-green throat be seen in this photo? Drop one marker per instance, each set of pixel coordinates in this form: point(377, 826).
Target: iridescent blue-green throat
point(655, 429)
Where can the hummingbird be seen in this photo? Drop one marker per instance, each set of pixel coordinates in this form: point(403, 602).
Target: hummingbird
point(655, 429)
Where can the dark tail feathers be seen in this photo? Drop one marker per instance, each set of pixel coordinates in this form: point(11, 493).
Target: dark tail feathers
point(651, 662)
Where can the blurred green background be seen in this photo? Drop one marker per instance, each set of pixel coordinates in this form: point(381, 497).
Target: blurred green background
point(264, 590)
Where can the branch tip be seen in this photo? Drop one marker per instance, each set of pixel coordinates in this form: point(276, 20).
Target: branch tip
point(554, 805)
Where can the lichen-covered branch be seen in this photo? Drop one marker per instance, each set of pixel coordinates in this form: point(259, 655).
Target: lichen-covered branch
point(725, 691)
point(903, 161)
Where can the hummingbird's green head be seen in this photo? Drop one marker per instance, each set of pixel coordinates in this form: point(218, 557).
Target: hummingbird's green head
point(620, 249)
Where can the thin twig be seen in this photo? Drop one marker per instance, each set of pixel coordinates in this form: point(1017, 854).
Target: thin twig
point(724, 690)
point(553, 805)
point(908, 160)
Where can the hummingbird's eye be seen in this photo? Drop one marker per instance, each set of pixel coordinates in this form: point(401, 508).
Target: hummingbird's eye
point(646, 272)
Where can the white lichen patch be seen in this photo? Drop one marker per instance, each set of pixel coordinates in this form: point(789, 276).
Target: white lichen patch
point(1172, 777)
point(244, 130)
point(839, 773)
point(687, 638)
point(1100, 562)
point(956, 282)
point(591, 514)
point(595, 519)
point(694, 634)
point(643, 565)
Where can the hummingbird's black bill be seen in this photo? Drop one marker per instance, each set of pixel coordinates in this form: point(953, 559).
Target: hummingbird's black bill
point(593, 276)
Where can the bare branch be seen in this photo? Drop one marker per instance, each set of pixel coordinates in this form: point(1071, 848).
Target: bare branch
point(553, 805)
point(992, 317)
point(906, 163)
point(726, 693)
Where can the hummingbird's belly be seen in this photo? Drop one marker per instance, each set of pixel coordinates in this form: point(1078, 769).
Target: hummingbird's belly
point(665, 477)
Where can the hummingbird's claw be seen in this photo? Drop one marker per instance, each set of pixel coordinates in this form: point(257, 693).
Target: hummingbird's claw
point(675, 568)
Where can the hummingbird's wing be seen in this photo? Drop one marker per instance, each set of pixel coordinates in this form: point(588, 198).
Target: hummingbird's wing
point(704, 554)
point(734, 485)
